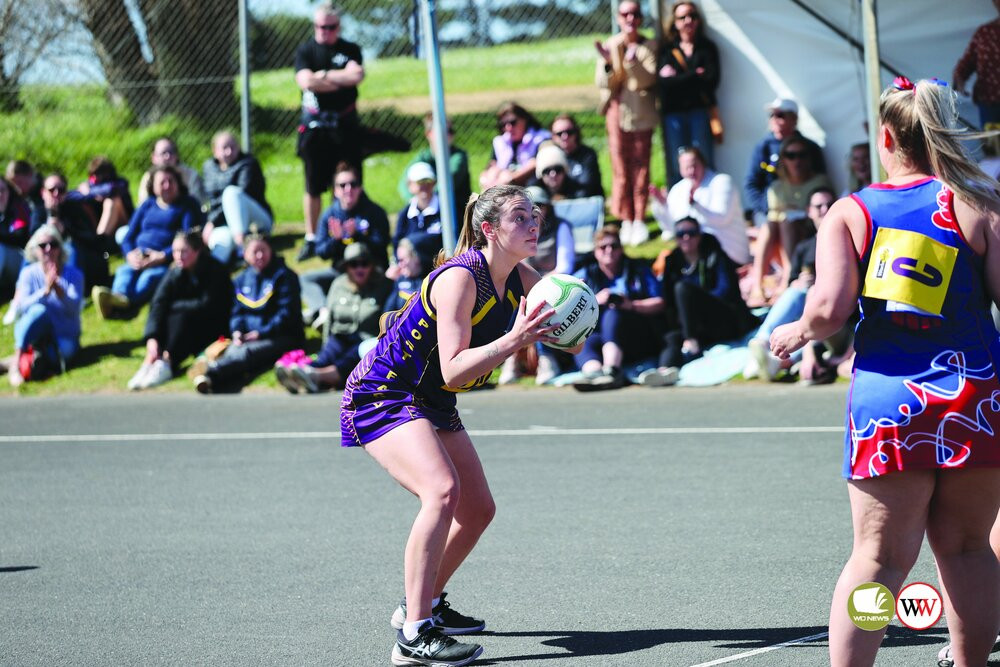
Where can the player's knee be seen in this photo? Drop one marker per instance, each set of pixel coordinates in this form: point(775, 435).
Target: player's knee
point(443, 495)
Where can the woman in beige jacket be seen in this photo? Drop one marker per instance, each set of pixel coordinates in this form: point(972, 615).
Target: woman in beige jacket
point(626, 76)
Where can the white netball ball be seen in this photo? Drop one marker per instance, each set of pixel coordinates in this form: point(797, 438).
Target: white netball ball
point(575, 306)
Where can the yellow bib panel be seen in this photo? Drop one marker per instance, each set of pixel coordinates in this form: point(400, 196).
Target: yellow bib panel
point(909, 268)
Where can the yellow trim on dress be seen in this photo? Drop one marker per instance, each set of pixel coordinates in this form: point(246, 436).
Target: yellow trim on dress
point(478, 317)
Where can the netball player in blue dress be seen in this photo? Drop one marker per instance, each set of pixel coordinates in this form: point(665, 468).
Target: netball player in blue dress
point(922, 453)
point(399, 405)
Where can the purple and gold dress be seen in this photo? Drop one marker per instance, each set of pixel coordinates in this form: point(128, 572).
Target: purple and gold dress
point(400, 380)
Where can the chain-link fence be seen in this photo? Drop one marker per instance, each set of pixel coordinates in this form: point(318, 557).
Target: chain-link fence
point(87, 77)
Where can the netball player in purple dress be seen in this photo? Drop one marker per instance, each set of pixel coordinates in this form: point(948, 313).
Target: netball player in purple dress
point(921, 254)
point(399, 405)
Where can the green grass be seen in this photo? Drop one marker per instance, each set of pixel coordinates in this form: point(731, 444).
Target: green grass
point(62, 128)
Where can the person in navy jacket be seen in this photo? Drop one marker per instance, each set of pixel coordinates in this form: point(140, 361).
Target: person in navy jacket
point(265, 321)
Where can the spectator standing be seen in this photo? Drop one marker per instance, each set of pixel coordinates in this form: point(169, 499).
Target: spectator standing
point(264, 324)
point(328, 70)
point(982, 57)
point(458, 165)
point(514, 148)
point(710, 198)
point(583, 170)
point(689, 75)
point(83, 249)
point(351, 219)
point(167, 209)
point(626, 77)
point(189, 310)
point(631, 307)
point(783, 120)
point(355, 306)
point(702, 300)
point(47, 306)
point(165, 154)
point(234, 190)
point(422, 214)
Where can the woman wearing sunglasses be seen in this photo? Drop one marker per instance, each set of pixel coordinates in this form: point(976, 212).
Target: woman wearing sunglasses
point(47, 304)
point(519, 134)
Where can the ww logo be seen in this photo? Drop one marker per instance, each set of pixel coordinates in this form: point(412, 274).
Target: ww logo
point(918, 606)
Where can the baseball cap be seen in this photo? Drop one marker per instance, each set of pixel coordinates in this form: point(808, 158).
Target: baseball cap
point(420, 171)
point(783, 104)
point(549, 155)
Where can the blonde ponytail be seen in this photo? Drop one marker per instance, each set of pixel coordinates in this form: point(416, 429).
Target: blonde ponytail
point(924, 120)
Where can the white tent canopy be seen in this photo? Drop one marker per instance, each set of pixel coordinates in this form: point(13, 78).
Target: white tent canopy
point(776, 47)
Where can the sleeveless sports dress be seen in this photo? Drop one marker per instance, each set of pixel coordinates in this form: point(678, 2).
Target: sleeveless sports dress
point(399, 380)
point(925, 392)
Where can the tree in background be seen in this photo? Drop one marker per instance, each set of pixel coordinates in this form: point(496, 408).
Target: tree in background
point(169, 57)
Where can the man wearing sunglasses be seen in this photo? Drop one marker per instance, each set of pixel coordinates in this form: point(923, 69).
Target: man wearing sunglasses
point(783, 120)
point(328, 70)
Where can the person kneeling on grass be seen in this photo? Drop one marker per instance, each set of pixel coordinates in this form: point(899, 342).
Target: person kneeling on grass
point(355, 307)
point(190, 309)
point(266, 320)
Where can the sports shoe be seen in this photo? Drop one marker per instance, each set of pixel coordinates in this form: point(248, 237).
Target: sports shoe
point(944, 658)
point(203, 384)
point(307, 250)
point(547, 370)
point(136, 382)
point(159, 372)
point(767, 363)
point(107, 302)
point(306, 377)
point(433, 647)
point(508, 373)
point(610, 378)
point(625, 232)
point(658, 377)
point(446, 619)
point(286, 378)
point(640, 233)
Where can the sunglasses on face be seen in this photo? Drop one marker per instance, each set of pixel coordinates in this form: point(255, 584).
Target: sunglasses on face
point(48, 245)
point(57, 189)
point(607, 247)
point(327, 26)
point(687, 233)
point(552, 171)
point(359, 264)
point(507, 122)
point(781, 115)
point(348, 184)
point(635, 14)
point(794, 155)
point(565, 133)
point(682, 18)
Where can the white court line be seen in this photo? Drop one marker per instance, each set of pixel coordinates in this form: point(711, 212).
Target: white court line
point(766, 649)
point(547, 431)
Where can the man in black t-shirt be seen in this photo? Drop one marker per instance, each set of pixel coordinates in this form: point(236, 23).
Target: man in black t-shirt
point(328, 70)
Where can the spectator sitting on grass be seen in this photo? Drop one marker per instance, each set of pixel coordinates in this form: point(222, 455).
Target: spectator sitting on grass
point(189, 310)
point(414, 260)
point(234, 188)
point(355, 307)
point(47, 307)
point(265, 322)
point(27, 187)
point(14, 224)
point(81, 245)
point(514, 148)
point(147, 242)
point(584, 170)
point(165, 154)
point(423, 212)
point(105, 196)
point(352, 218)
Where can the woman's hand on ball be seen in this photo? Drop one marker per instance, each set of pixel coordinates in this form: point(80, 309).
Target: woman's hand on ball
point(533, 327)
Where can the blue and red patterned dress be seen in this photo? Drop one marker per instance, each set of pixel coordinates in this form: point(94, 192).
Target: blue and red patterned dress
point(925, 393)
point(399, 380)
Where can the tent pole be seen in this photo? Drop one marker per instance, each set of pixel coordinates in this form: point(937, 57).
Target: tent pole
point(873, 81)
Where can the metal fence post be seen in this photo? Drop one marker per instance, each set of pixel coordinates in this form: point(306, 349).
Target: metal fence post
point(244, 76)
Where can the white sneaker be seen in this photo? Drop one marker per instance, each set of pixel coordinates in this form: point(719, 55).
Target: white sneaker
point(658, 377)
point(640, 233)
point(10, 316)
point(140, 376)
point(508, 374)
point(547, 370)
point(625, 235)
point(158, 373)
point(767, 363)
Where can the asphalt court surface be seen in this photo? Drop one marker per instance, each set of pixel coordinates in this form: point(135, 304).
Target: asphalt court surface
point(635, 527)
